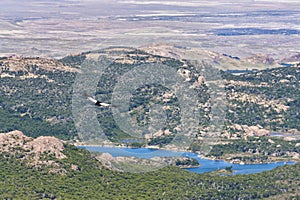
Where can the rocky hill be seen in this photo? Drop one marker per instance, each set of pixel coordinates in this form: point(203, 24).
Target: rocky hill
point(44, 151)
point(36, 94)
point(269, 98)
point(221, 61)
point(16, 140)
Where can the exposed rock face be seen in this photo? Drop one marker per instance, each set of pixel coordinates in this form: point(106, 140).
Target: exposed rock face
point(158, 134)
point(16, 143)
point(256, 131)
point(46, 144)
point(251, 130)
point(13, 139)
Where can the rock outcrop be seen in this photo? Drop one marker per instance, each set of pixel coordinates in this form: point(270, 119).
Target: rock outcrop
point(15, 143)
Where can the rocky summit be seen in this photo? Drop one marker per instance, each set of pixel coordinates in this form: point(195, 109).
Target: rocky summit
point(44, 150)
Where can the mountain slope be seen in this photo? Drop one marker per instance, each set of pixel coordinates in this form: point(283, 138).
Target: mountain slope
point(36, 96)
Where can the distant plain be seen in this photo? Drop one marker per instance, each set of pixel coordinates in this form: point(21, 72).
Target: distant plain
point(55, 29)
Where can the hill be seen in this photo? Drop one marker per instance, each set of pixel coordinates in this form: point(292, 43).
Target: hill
point(81, 176)
point(220, 61)
point(36, 95)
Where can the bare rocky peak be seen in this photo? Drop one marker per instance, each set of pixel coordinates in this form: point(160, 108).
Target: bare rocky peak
point(47, 144)
point(12, 139)
point(15, 142)
point(17, 63)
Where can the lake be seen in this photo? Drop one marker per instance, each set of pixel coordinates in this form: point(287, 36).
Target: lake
point(282, 135)
point(207, 165)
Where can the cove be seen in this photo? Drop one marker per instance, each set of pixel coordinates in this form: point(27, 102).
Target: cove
point(207, 165)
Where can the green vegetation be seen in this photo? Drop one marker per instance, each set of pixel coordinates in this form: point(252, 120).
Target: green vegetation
point(41, 105)
point(144, 97)
point(256, 149)
point(45, 99)
point(187, 162)
point(37, 106)
point(91, 181)
point(280, 85)
point(10, 121)
point(228, 169)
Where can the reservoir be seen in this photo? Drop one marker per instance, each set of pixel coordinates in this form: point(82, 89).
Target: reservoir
point(206, 165)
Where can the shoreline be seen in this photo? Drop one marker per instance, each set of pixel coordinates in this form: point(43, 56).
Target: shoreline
point(285, 160)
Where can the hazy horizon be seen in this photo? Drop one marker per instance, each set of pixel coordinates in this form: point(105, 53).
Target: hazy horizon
point(56, 28)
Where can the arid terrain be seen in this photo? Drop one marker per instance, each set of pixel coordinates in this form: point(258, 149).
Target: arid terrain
point(240, 29)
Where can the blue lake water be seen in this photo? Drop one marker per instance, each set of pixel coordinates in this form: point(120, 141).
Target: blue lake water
point(282, 135)
point(207, 165)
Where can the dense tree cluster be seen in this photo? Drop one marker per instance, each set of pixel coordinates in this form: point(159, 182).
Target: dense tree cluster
point(258, 148)
point(37, 106)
